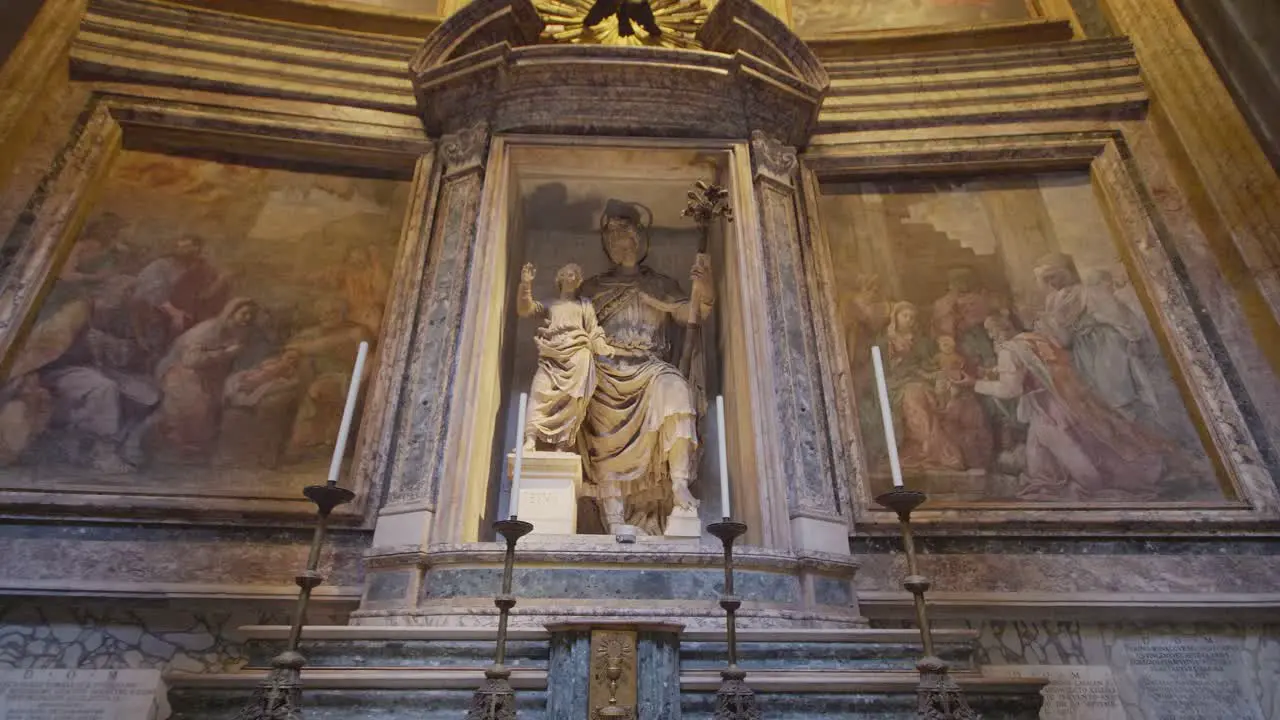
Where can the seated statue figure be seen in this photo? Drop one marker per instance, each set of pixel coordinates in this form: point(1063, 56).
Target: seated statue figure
point(639, 441)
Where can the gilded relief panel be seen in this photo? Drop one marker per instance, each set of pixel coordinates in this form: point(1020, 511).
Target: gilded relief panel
point(1021, 361)
point(826, 17)
point(199, 337)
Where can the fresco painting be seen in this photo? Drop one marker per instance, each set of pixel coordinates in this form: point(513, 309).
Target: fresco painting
point(201, 332)
point(1021, 362)
point(825, 17)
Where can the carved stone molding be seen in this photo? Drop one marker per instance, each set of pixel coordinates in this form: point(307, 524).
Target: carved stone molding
point(465, 149)
point(772, 159)
point(161, 43)
point(485, 64)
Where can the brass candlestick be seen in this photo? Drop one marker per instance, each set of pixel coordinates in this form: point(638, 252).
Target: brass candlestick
point(938, 695)
point(279, 696)
point(734, 700)
point(494, 699)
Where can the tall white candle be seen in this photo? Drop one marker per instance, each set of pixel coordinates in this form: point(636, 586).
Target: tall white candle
point(515, 470)
point(723, 431)
point(886, 415)
point(353, 392)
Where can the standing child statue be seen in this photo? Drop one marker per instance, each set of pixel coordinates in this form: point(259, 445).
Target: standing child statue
point(568, 343)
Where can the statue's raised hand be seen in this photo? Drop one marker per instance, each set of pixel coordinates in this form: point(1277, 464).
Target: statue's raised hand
point(527, 272)
point(700, 275)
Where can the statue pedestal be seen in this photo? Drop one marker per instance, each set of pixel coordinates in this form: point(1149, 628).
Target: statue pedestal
point(683, 524)
point(549, 486)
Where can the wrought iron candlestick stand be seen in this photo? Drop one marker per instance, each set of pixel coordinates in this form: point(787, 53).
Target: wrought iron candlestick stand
point(734, 701)
point(494, 699)
point(279, 696)
point(938, 696)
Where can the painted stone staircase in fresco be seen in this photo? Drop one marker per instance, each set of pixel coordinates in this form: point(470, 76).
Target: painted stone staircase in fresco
point(429, 674)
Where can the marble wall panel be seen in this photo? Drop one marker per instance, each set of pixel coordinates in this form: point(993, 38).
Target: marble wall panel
point(115, 558)
point(193, 637)
point(1245, 660)
point(1083, 566)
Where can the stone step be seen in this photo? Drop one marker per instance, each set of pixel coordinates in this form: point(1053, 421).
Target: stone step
point(428, 647)
point(440, 693)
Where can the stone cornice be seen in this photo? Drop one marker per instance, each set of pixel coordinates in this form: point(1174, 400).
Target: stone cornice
point(157, 43)
point(483, 64)
point(1082, 79)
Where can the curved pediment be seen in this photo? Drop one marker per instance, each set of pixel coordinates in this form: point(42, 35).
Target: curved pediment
point(490, 63)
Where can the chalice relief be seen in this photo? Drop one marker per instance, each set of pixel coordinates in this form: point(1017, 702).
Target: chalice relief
point(606, 377)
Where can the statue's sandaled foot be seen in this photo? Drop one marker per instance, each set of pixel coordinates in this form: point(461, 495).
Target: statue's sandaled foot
point(682, 497)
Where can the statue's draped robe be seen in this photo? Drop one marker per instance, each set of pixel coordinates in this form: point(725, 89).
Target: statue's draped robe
point(642, 406)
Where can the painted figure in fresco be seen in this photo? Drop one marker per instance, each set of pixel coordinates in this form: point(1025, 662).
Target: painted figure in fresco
point(259, 406)
point(640, 437)
point(865, 314)
point(192, 376)
point(327, 350)
point(1078, 447)
point(923, 441)
point(1101, 334)
point(365, 285)
point(25, 411)
point(175, 292)
point(100, 399)
point(962, 416)
point(568, 344)
point(960, 314)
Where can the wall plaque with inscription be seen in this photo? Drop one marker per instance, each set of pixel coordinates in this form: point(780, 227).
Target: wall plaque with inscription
point(1074, 692)
point(82, 695)
point(1188, 678)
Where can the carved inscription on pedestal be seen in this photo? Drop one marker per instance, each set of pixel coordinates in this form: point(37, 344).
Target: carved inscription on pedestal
point(1075, 692)
point(81, 695)
point(1189, 678)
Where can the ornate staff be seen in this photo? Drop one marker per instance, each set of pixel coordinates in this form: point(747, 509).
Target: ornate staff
point(706, 203)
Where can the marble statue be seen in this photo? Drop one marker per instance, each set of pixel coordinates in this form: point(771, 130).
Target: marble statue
point(568, 343)
point(639, 437)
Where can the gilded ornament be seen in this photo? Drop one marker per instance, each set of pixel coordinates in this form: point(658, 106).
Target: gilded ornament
point(655, 23)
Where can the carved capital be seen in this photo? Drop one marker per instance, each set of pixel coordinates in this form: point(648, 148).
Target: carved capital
point(465, 149)
point(771, 158)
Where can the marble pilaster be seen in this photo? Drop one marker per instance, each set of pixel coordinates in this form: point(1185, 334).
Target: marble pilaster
point(813, 500)
point(658, 667)
point(567, 673)
point(415, 470)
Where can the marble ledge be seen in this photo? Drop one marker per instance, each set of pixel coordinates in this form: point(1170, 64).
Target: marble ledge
point(325, 594)
point(775, 681)
point(574, 551)
point(1090, 607)
point(449, 634)
point(822, 681)
point(352, 679)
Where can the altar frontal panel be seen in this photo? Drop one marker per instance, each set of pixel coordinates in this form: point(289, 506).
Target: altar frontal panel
point(1022, 360)
point(199, 337)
